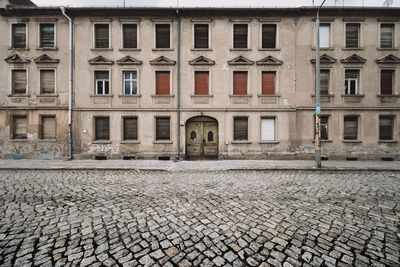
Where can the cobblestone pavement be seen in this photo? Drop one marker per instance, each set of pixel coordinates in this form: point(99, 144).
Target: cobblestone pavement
point(214, 218)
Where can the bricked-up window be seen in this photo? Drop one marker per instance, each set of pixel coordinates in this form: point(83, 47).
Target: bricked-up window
point(240, 129)
point(47, 82)
point(268, 82)
point(48, 127)
point(240, 35)
point(129, 32)
point(102, 82)
point(102, 128)
point(47, 35)
point(130, 128)
point(18, 31)
point(240, 82)
point(101, 34)
point(352, 35)
point(387, 77)
point(163, 35)
point(201, 83)
point(350, 128)
point(386, 128)
point(162, 82)
point(130, 82)
point(351, 82)
point(19, 126)
point(268, 36)
point(387, 34)
point(162, 129)
point(268, 129)
point(324, 35)
point(201, 36)
point(19, 81)
point(324, 82)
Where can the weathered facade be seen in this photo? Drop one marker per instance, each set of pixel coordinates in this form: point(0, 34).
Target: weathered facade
point(241, 82)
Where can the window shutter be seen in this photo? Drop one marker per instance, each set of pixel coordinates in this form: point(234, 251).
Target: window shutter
point(269, 36)
point(385, 128)
point(130, 35)
point(47, 35)
point(48, 127)
point(19, 81)
point(267, 129)
point(240, 128)
point(324, 82)
point(324, 35)
point(386, 82)
point(240, 83)
point(387, 35)
point(201, 82)
point(162, 129)
point(350, 127)
point(102, 128)
point(102, 35)
point(162, 83)
point(268, 83)
point(201, 36)
point(20, 127)
point(240, 36)
point(47, 81)
point(18, 35)
point(162, 36)
point(352, 30)
point(130, 128)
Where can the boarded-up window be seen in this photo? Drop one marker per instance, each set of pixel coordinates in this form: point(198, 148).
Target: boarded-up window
point(351, 82)
point(268, 83)
point(240, 35)
point(162, 129)
point(201, 82)
point(240, 82)
point(129, 32)
point(130, 82)
point(47, 82)
point(47, 35)
point(324, 82)
point(102, 82)
point(324, 30)
point(350, 128)
point(201, 36)
point(387, 33)
point(19, 127)
point(352, 35)
point(19, 81)
point(162, 83)
point(240, 128)
point(385, 128)
point(387, 82)
point(163, 36)
point(130, 129)
point(268, 36)
point(268, 129)
point(101, 32)
point(102, 128)
point(18, 35)
point(48, 127)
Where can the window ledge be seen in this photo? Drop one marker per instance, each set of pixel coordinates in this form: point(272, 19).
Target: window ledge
point(163, 96)
point(388, 141)
point(110, 96)
point(353, 48)
point(269, 49)
point(249, 96)
point(130, 49)
point(47, 48)
point(355, 95)
point(241, 142)
point(322, 95)
point(121, 95)
point(162, 49)
point(268, 142)
point(101, 49)
point(47, 140)
point(18, 49)
point(276, 95)
point(130, 142)
point(200, 96)
point(379, 95)
point(19, 140)
point(324, 141)
point(18, 95)
point(240, 49)
point(163, 142)
point(101, 142)
point(324, 48)
point(47, 95)
point(200, 49)
point(387, 49)
point(352, 141)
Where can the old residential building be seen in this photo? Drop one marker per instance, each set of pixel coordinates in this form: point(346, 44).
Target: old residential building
point(193, 82)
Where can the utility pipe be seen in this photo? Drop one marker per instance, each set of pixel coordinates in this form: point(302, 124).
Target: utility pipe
point(178, 114)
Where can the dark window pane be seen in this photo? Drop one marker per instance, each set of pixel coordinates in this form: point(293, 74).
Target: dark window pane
point(240, 128)
point(350, 128)
point(352, 33)
point(201, 36)
point(324, 127)
point(162, 36)
point(130, 128)
point(387, 31)
point(18, 35)
point(47, 35)
point(101, 35)
point(162, 129)
point(269, 36)
point(387, 82)
point(102, 128)
point(324, 82)
point(130, 35)
point(385, 128)
point(240, 35)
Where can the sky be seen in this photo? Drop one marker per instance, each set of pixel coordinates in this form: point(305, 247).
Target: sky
point(213, 3)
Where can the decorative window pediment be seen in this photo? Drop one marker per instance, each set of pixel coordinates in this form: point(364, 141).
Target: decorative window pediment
point(389, 59)
point(201, 61)
point(354, 59)
point(325, 59)
point(269, 60)
point(240, 60)
point(162, 61)
point(100, 60)
point(16, 59)
point(128, 60)
point(43, 59)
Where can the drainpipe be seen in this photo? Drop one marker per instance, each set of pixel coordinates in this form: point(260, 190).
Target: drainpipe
point(178, 114)
point(69, 86)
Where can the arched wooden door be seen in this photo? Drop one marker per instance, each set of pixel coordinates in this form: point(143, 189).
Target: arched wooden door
point(202, 137)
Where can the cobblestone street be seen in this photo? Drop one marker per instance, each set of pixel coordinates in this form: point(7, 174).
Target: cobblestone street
point(206, 218)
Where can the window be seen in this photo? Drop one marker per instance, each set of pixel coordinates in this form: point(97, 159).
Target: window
point(201, 36)
point(240, 129)
point(162, 129)
point(19, 82)
point(324, 127)
point(387, 34)
point(163, 36)
point(387, 82)
point(267, 129)
point(268, 83)
point(351, 82)
point(130, 82)
point(324, 38)
point(162, 83)
point(46, 35)
point(19, 127)
point(101, 35)
point(48, 127)
point(352, 35)
point(268, 36)
point(324, 82)
point(350, 128)
point(201, 82)
point(102, 82)
point(18, 31)
point(129, 35)
point(385, 128)
point(130, 128)
point(47, 82)
point(240, 82)
point(240, 35)
point(102, 128)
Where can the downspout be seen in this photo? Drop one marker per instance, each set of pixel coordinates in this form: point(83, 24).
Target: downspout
point(69, 86)
point(178, 108)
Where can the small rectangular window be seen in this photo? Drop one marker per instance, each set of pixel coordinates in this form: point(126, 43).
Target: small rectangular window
point(130, 82)
point(268, 36)
point(240, 129)
point(162, 83)
point(240, 82)
point(350, 128)
point(46, 35)
point(387, 82)
point(324, 82)
point(130, 128)
point(163, 35)
point(387, 34)
point(201, 36)
point(351, 82)
point(268, 83)
point(352, 35)
point(47, 82)
point(102, 128)
point(324, 35)
point(162, 128)
point(129, 32)
point(201, 83)
point(267, 129)
point(48, 127)
point(386, 128)
point(19, 82)
point(18, 31)
point(102, 38)
point(19, 127)
point(240, 35)
point(324, 127)
point(102, 82)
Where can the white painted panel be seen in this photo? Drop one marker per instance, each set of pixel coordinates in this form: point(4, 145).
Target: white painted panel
point(324, 36)
point(268, 129)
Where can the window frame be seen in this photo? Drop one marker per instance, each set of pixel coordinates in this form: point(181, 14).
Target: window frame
point(276, 36)
point(123, 71)
point(109, 35)
point(12, 127)
point(358, 127)
point(12, 81)
point(155, 36)
point(247, 48)
point(26, 35)
point(357, 80)
point(40, 80)
point(95, 138)
point(170, 81)
point(156, 138)
point(209, 81)
point(194, 36)
point(358, 36)
point(41, 116)
point(40, 35)
point(275, 128)
point(123, 128)
point(233, 81)
point(393, 120)
point(96, 85)
point(137, 35)
point(393, 36)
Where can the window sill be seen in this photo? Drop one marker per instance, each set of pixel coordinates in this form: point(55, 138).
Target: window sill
point(162, 49)
point(387, 49)
point(163, 142)
point(163, 96)
point(239, 49)
point(19, 140)
point(324, 141)
point(110, 96)
point(268, 142)
point(200, 96)
point(47, 140)
point(130, 49)
point(47, 95)
point(249, 96)
point(240, 142)
point(101, 49)
point(18, 95)
point(269, 49)
point(387, 141)
point(47, 48)
point(353, 48)
point(276, 95)
point(352, 141)
point(394, 96)
point(18, 49)
point(130, 142)
point(200, 49)
point(101, 142)
point(355, 95)
point(129, 95)
point(322, 95)
point(324, 48)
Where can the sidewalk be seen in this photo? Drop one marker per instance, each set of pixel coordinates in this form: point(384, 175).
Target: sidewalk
point(205, 165)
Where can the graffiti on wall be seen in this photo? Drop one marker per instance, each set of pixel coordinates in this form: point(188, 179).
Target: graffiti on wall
point(58, 149)
point(102, 148)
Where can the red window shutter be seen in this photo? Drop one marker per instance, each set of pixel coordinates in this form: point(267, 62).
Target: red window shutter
point(162, 83)
point(386, 82)
point(201, 83)
point(240, 83)
point(268, 83)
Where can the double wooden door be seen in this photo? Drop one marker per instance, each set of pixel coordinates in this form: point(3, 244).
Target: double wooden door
point(202, 139)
